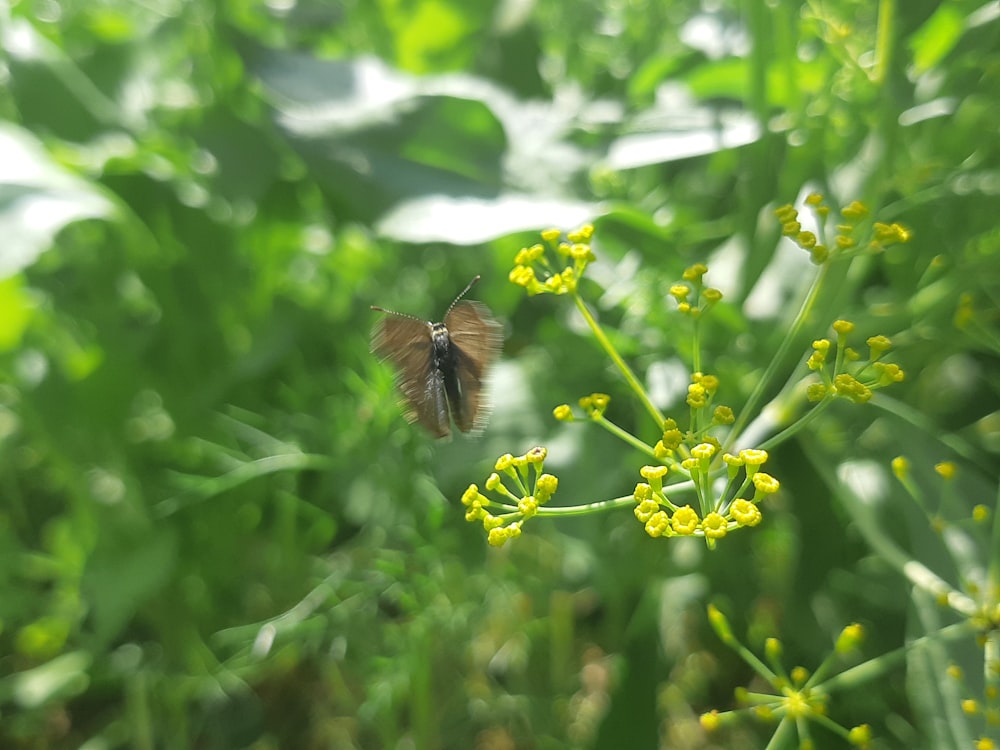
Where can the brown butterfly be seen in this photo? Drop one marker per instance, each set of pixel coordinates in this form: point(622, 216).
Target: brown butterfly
point(441, 367)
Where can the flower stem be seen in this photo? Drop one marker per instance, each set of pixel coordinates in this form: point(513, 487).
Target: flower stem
point(626, 371)
point(778, 359)
point(585, 509)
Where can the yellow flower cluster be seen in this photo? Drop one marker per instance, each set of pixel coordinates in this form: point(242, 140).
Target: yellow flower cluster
point(849, 377)
point(846, 240)
point(529, 488)
point(537, 268)
point(661, 517)
point(693, 297)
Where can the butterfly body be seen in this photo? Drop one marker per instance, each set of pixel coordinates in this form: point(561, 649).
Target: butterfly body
point(441, 368)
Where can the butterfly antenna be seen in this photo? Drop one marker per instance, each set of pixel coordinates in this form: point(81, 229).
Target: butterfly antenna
point(463, 293)
point(397, 314)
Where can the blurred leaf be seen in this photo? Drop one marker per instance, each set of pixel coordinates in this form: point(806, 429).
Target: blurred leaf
point(123, 572)
point(641, 149)
point(15, 312)
point(414, 155)
point(473, 221)
point(62, 677)
point(37, 199)
point(937, 37)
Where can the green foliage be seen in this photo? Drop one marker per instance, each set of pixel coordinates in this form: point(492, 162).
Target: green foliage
point(216, 529)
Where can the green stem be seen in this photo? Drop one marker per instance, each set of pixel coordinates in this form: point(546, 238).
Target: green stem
point(628, 437)
point(777, 360)
point(582, 510)
point(798, 425)
point(626, 371)
point(877, 667)
point(212, 486)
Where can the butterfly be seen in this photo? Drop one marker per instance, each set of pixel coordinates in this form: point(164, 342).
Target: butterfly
point(441, 367)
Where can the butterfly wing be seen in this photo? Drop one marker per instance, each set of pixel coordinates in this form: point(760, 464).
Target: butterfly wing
point(476, 338)
point(406, 343)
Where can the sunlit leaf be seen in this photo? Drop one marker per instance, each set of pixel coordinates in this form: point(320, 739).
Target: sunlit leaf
point(37, 199)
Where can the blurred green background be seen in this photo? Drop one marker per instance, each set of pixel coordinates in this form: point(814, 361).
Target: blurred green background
point(216, 529)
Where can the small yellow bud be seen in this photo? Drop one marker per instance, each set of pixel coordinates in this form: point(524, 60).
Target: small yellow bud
point(799, 675)
point(946, 469)
point(814, 199)
point(504, 462)
point(563, 413)
point(709, 721)
point(854, 211)
point(850, 637)
point(680, 292)
point(695, 272)
point(723, 415)
point(819, 254)
point(806, 240)
point(551, 235)
point(843, 327)
point(720, 624)
point(980, 513)
point(493, 481)
point(860, 736)
point(900, 467)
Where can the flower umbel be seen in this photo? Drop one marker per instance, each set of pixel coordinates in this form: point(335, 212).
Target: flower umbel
point(522, 488)
point(797, 697)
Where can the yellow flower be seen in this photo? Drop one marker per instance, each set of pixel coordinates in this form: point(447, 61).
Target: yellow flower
point(680, 292)
point(843, 327)
point(645, 510)
point(492, 481)
point(522, 275)
point(653, 473)
point(806, 240)
point(528, 506)
point(504, 462)
point(703, 451)
point(723, 415)
point(546, 487)
point(745, 513)
point(753, 456)
point(878, 345)
point(684, 520)
point(714, 526)
point(470, 495)
point(657, 524)
point(550, 235)
point(537, 454)
point(765, 484)
point(816, 392)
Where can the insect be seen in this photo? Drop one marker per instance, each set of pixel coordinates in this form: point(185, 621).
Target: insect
point(441, 367)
